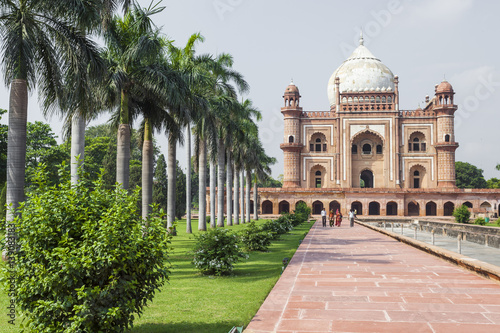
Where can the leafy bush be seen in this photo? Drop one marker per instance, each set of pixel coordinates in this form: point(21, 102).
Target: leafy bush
point(86, 260)
point(255, 238)
point(302, 211)
point(480, 221)
point(278, 227)
point(462, 214)
point(216, 251)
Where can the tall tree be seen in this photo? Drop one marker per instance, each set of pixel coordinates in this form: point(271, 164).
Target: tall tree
point(160, 183)
point(469, 176)
point(41, 41)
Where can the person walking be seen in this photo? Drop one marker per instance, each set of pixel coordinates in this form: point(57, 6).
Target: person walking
point(351, 218)
point(332, 217)
point(323, 217)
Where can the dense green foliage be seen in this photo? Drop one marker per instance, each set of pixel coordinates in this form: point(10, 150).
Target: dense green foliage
point(160, 183)
point(180, 192)
point(480, 221)
point(87, 261)
point(302, 211)
point(256, 238)
point(278, 227)
point(461, 214)
point(42, 147)
point(469, 176)
point(216, 252)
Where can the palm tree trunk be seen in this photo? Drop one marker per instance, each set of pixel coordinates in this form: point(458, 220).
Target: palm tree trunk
point(220, 183)
point(123, 145)
point(77, 146)
point(229, 188)
point(202, 187)
point(16, 145)
point(147, 170)
point(255, 198)
point(249, 186)
point(242, 195)
point(171, 168)
point(188, 179)
point(212, 192)
point(236, 199)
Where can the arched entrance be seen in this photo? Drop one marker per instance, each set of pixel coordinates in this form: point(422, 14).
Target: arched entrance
point(366, 179)
point(334, 205)
point(317, 207)
point(357, 207)
point(267, 207)
point(449, 207)
point(374, 208)
point(430, 209)
point(391, 208)
point(299, 202)
point(284, 207)
point(468, 204)
point(413, 209)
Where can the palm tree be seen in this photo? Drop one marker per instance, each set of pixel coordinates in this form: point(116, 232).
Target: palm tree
point(42, 41)
point(132, 50)
point(193, 68)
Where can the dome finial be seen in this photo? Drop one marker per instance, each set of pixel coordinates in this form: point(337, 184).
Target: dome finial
point(361, 40)
point(291, 81)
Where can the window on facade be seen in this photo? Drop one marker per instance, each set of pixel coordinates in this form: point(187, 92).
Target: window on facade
point(290, 139)
point(354, 149)
point(389, 99)
point(383, 99)
point(318, 140)
point(378, 99)
point(318, 182)
point(372, 99)
point(379, 149)
point(318, 147)
point(318, 173)
point(367, 148)
point(416, 179)
point(423, 146)
point(416, 144)
point(324, 146)
point(447, 138)
point(311, 147)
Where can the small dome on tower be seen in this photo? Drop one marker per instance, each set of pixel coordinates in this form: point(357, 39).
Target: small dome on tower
point(444, 87)
point(292, 88)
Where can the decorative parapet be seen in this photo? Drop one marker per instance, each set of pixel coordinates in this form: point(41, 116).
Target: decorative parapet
point(418, 113)
point(317, 114)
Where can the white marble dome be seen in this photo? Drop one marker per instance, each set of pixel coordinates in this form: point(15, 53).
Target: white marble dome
point(361, 72)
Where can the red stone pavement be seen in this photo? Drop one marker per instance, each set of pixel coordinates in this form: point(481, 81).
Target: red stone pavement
point(358, 280)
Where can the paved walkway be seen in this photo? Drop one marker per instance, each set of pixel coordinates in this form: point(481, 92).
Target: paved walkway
point(358, 280)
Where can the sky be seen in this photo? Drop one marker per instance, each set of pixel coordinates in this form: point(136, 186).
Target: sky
point(274, 41)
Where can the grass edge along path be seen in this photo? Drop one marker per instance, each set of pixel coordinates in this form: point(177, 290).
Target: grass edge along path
point(191, 302)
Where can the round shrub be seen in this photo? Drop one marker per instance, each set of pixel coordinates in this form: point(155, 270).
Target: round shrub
point(216, 251)
point(480, 221)
point(86, 260)
point(462, 214)
point(254, 238)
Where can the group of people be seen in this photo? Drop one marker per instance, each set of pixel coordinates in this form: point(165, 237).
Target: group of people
point(336, 218)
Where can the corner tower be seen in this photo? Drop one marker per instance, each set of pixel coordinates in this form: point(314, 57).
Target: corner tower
point(291, 142)
point(445, 145)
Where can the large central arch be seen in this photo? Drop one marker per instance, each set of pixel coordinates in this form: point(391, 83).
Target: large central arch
point(367, 178)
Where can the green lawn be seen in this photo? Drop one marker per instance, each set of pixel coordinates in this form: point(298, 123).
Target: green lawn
point(191, 302)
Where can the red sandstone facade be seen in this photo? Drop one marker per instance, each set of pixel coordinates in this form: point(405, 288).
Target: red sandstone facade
point(367, 154)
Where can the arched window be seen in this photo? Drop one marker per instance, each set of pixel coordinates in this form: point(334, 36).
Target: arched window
point(379, 149)
point(389, 99)
point(447, 138)
point(372, 99)
point(378, 99)
point(361, 99)
point(416, 179)
point(355, 100)
point(354, 149)
point(367, 148)
point(416, 144)
point(383, 99)
point(290, 139)
point(318, 173)
point(344, 100)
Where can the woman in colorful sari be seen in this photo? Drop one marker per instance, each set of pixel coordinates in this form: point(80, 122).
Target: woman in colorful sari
point(338, 219)
point(331, 217)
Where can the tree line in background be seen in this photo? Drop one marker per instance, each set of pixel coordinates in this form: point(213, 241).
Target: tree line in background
point(470, 176)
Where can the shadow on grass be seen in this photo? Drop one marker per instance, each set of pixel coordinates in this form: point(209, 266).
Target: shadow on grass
point(184, 327)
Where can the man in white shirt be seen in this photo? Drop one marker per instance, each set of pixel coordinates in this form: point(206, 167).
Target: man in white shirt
point(323, 217)
point(351, 218)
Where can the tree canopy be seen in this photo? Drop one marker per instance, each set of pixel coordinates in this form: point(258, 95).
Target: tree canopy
point(469, 176)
